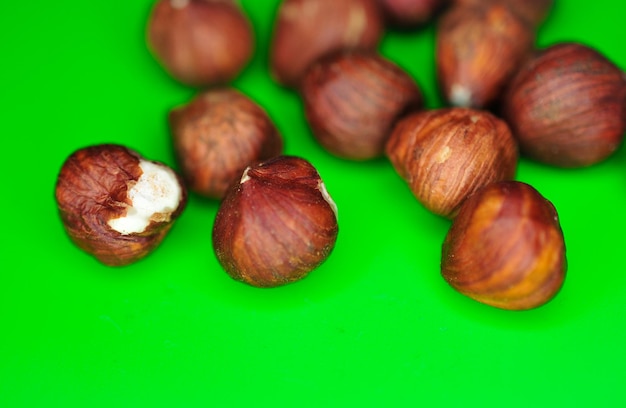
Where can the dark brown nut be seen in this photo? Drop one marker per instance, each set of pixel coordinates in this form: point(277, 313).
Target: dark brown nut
point(567, 106)
point(276, 225)
point(506, 248)
point(533, 11)
point(200, 42)
point(116, 205)
point(352, 100)
point(411, 13)
point(306, 30)
point(217, 135)
point(477, 52)
point(445, 155)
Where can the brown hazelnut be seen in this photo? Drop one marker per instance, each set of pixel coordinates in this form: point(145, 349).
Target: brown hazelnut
point(533, 11)
point(352, 100)
point(506, 248)
point(478, 50)
point(447, 154)
point(567, 106)
point(276, 225)
point(217, 135)
point(306, 30)
point(116, 205)
point(411, 13)
point(200, 42)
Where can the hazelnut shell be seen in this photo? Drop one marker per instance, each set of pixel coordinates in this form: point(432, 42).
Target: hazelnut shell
point(411, 13)
point(478, 49)
point(447, 154)
point(306, 30)
point(567, 106)
point(93, 188)
point(533, 11)
point(200, 42)
point(276, 225)
point(506, 248)
point(353, 99)
point(217, 135)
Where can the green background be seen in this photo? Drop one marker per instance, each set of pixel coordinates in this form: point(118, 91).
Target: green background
point(375, 325)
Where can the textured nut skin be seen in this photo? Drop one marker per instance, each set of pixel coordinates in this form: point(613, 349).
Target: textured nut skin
point(411, 13)
point(92, 189)
point(506, 248)
point(567, 106)
point(276, 225)
point(217, 135)
point(306, 30)
point(533, 11)
point(447, 154)
point(200, 42)
point(352, 100)
point(478, 49)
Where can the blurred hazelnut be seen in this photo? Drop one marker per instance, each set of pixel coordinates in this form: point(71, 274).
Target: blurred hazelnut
point(533, 11)
point(115, 205)
point(200, 42)
point(478, 50)
point(276, 225)
point(567, 106)
point(506, 248)
point(447, 154)
point(352, 100)
point(305, 30)
point(411, 13)
point(217, 135)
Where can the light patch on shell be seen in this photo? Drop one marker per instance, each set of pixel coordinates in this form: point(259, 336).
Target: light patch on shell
point(244, 176)
point(357, 21)
point(460, 96)
point(443, 155)
point(322, 188)
point(154, 197)
point(179, 4)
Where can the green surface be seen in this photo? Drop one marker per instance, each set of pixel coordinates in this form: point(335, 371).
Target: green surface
point(376, 325)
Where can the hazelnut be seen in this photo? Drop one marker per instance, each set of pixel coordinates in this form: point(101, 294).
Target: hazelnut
point(567, 106)
point(217, 135)
point(306, 30)
point(411, 13)
point(116, 205)
point(447, 154)
point(200, 42)
point(478, 49)
point(352, 100)
point(276, 225)
point(533, 11)
point(506, 248)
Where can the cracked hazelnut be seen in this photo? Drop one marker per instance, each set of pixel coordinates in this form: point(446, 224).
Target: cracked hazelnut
point(411, 13)
point(276, 225)
point(506, 248)
point(200, 42)
point(352, 100)
point(217, 135)
point(567, 106)
point(306, 30)
point(478, 49)
point(447, 154)
point(116, 205)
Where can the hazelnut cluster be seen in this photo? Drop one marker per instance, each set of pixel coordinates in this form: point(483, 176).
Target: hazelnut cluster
point(564, 105)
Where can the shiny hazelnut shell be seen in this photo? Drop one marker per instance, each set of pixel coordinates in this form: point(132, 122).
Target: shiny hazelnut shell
point(200, 42)
point(217, 135)
point(478, 49)
point(91, 189)
point(567, 106)
point(506, 248)
point(447, 154)
point(352, 100)
point(306, 30)
point(276, 224)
